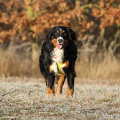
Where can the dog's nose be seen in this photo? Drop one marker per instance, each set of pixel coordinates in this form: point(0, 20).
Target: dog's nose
point(60, 40)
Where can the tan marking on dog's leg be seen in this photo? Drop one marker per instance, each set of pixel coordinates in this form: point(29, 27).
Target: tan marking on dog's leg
point(50, 91)
point(60, 84)
point(69, 92)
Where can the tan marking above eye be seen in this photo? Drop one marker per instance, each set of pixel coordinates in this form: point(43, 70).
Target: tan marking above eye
point(57, 31)
point(63, 31)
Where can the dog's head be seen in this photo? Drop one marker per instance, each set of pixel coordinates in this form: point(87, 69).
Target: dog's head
point(61, 36)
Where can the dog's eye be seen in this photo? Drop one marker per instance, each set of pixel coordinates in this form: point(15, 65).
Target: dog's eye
point(64, 34)
point(57, 34)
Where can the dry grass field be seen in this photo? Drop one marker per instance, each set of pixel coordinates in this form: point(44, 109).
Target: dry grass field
point(24, 98)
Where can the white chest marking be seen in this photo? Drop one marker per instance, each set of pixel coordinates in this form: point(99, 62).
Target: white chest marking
point(57, 55)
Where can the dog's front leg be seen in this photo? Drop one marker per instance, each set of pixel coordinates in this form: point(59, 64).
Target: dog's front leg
point(70, 84)
point(50, 84)
point(70, 78)
point(51, 78)
point(60, 84)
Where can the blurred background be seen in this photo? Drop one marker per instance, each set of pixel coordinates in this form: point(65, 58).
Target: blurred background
point(25, 23)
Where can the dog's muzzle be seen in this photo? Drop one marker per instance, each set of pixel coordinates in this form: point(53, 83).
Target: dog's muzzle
point(60, 40)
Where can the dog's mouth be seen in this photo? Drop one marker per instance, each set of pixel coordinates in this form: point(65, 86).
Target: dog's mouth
point(60, 42)
point(59, 46)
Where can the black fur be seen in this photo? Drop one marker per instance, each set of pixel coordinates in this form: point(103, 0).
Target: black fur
point(70, 53)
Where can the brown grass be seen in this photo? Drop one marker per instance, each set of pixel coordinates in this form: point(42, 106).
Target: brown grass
point(98, 67)
point(13, 64)
point(21, 65)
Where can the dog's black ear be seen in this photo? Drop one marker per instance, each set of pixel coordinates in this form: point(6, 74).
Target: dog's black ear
point(50, 33)
point(72, 35)
point(47, 41)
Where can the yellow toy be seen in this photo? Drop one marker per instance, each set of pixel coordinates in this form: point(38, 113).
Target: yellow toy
point(59, 68)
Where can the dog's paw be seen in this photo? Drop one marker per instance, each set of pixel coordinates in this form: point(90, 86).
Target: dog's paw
point(63, 65)
point(54, 68)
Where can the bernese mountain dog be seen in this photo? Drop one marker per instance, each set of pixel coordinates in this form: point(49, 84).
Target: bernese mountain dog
point(57, 59)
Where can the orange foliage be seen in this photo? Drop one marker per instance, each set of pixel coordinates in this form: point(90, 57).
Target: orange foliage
point(32, 17)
